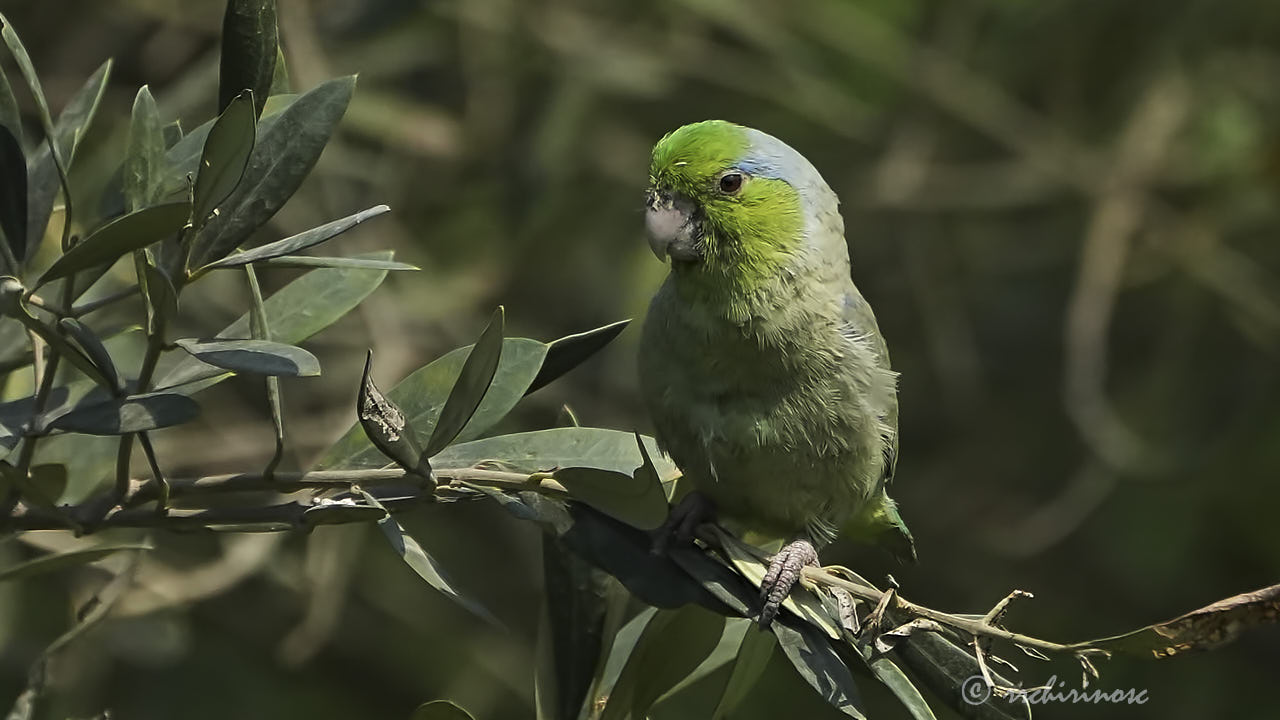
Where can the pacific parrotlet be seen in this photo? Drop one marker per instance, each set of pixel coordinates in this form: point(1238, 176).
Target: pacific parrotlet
point(761, 364)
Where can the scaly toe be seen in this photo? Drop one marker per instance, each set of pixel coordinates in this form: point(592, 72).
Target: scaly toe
point(784, 572)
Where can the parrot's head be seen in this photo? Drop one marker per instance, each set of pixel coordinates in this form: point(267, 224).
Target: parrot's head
point(729, 201)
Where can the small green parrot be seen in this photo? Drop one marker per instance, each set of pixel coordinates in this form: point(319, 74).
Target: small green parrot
point(761, 364)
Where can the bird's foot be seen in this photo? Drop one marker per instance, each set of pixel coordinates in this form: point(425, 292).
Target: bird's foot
point(683, 519)
point(784, 572)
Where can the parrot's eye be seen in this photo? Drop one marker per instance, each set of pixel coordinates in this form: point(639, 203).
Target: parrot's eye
point(731, 183)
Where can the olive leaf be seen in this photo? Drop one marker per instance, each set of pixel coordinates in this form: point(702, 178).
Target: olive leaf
point(13, 201)
point(673, 643)
point(263, 357)
point(121, 416)
point(225, 156)
point(250, 45)
point(421, 562)
point(469, 389)
point(144, 162)
point(301, 241)
point(284, 154)
point(294, 313)
point(109, 242)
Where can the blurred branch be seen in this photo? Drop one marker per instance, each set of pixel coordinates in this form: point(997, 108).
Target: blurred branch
point(330, 562)
point(1041, 528)
point(410, 491)
point(1118, 212)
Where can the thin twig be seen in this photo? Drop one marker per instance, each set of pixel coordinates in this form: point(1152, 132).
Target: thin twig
point(92, 305)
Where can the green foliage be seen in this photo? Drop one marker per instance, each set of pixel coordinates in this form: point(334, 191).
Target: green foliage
point(284, 154)
point(117, 237)
point(443, 429)
point(225, 156)
point(249, 54)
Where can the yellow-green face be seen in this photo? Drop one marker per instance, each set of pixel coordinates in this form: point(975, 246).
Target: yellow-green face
point(713, 204)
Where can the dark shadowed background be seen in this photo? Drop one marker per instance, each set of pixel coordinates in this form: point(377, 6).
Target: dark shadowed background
point(1064, 213)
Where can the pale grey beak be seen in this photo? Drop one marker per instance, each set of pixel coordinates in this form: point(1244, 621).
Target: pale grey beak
point(674, 226)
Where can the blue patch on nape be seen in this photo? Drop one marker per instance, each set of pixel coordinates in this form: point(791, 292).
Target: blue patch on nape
point(769, 157)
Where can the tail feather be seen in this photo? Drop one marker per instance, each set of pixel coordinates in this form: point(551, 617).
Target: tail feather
point(879, 523)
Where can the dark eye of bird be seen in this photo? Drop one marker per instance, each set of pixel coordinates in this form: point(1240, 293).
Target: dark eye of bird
point(731, 183)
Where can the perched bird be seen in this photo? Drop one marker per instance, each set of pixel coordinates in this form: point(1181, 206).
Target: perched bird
point(761, 364)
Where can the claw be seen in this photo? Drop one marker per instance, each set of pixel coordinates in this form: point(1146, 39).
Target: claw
point(784, 571)
point(683, 520)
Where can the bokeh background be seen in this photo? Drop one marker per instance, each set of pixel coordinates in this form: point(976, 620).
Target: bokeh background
point(1064, 213)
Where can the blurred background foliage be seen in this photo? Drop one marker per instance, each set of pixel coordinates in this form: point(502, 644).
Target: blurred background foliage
point(1064, 213)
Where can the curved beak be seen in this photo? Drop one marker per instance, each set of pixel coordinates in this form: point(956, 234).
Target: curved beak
point(674, 226)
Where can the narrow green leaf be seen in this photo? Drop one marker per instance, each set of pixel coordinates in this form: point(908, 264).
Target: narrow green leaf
point(41, 191)
point(137, 413)
point(671, 646)
point(144, 162)
point(720, 657)
point(92, 346)
point(547, 450)
point(635, 500)
point(59, 561)
point(120, 236)
point(13, 182)
point(473, 382)
point(571, 631)
point(260, 328)
point(297, 311)
point(184, 155)
point(280, 76)
point(13, 202)
point(16, 414)
point(172, 134)
point(47, 173)
point(615, 547)
point(301, 241)
point(718, 578)
point(59, 344)
point(249, 50)
point(39, 488)
point(28, 71)
point(423, 393)
point(888, 673)
point(440, 710)
point(944, 668)
point(10, 115)
point(620, 650)
point(263, 357)
point(818, 663)
point(285, 153)
point(307, 261)
point(225, 157)
point(90, 462)
point(570, 351)
point(386, 427)
point(161, 298)
point(753, 656)
point(10, 434)
point(422, 563)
